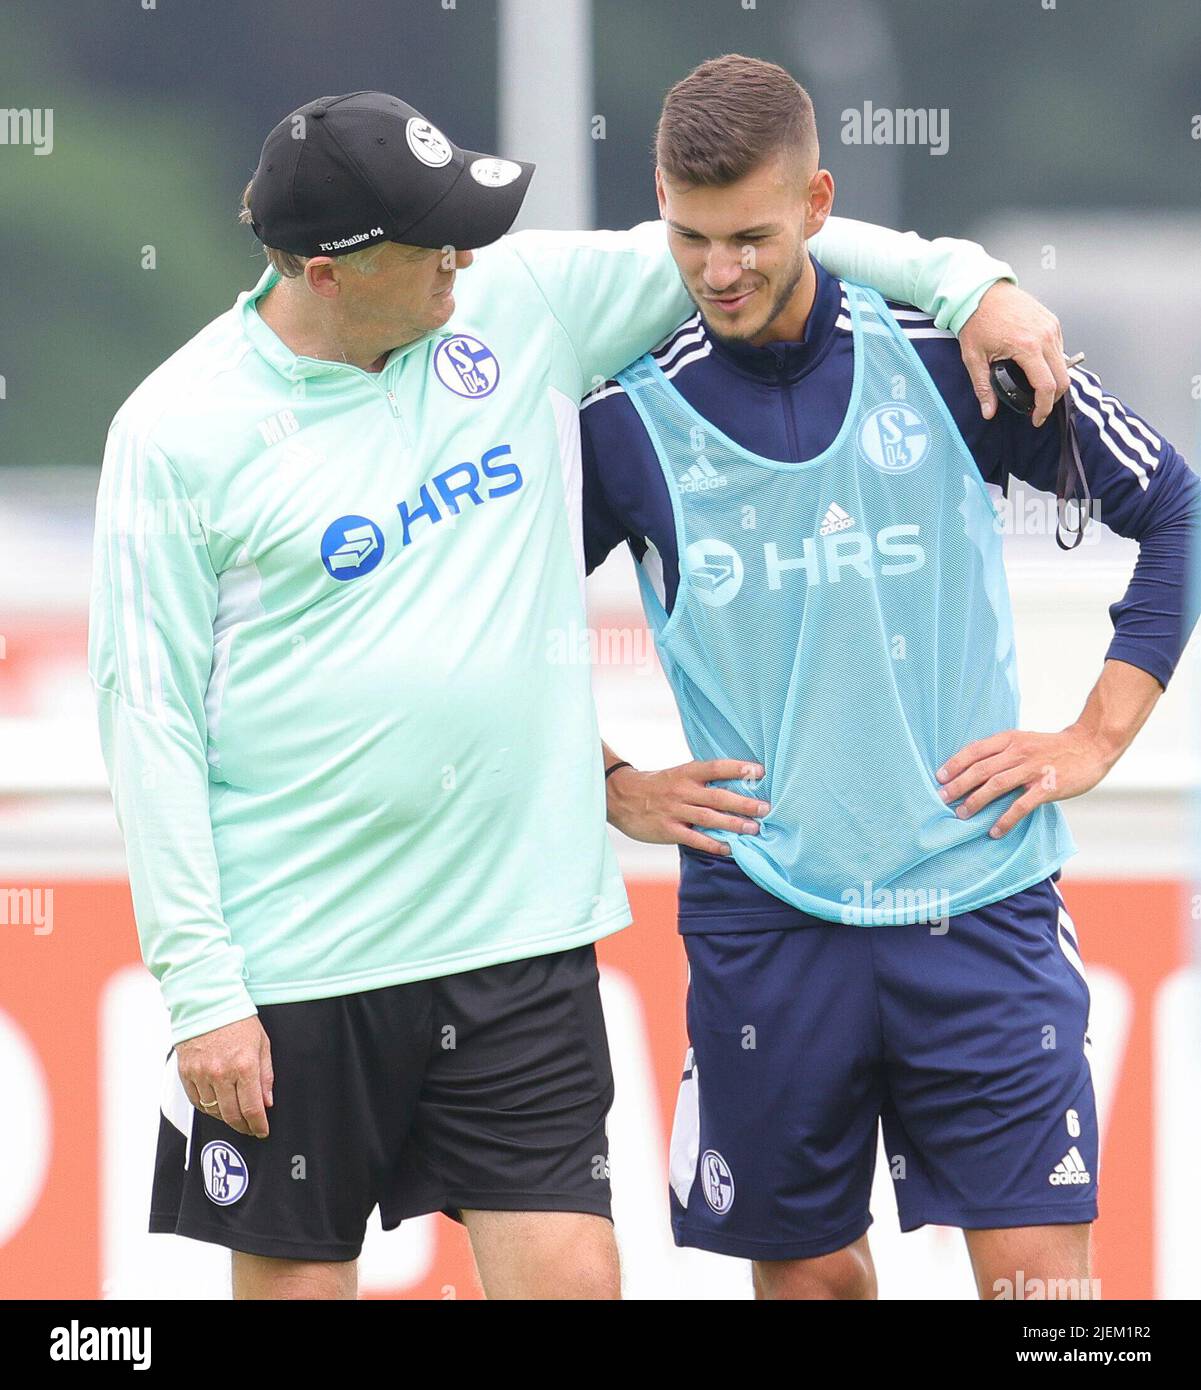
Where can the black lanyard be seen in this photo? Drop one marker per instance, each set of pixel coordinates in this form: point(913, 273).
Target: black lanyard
point(1071, 483)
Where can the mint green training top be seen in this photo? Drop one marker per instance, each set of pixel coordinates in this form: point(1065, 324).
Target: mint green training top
point(328, 615)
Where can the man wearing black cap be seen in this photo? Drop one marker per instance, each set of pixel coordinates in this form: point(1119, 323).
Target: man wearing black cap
point(338, 535)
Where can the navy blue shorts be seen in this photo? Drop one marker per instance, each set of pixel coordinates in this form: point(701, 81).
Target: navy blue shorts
point(968, 1042)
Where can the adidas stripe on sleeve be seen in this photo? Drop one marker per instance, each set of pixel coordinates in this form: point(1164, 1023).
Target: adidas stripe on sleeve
point(1142, 489)
point(150, 638)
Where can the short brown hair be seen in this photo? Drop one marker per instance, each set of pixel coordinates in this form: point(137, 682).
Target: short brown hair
point(727, 117)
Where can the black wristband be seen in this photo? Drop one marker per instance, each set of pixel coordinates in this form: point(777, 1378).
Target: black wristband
point(609, 771)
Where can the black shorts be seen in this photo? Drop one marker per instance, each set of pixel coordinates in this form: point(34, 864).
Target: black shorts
point(486, 1090)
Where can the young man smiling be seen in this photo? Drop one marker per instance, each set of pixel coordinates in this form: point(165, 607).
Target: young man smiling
point(869, 841)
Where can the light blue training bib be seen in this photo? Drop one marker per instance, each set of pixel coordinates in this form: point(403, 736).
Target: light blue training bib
point(845, 622)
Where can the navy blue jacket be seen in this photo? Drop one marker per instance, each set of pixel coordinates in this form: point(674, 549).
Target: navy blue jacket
point(788, 400)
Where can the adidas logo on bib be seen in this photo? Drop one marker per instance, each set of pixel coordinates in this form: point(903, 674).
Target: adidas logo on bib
point(701, 477)
point(1070, 1171)
point(834, 520)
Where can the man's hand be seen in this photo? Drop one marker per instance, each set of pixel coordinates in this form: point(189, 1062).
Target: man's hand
point(1008, 322)
point(231, 1066)
point(662, 807)
point(1051, 767)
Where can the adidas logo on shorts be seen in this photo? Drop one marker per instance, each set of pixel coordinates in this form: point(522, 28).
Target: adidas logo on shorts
point(701, 477)
point(834, 520)
point(1070, 1170)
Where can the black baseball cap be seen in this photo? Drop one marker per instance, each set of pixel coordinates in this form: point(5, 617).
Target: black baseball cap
point(342, 173)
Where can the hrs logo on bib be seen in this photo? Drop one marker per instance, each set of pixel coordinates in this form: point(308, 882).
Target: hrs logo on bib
point(716, 572)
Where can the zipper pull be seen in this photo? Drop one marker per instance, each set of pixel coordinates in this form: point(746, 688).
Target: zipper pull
point(392, 403)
